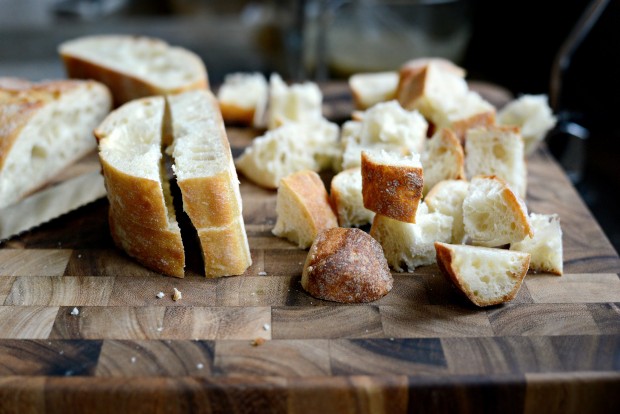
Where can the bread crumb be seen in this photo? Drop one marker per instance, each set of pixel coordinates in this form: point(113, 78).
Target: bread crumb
point(161, 328)
point(133, 360)
point(176, 295)
point(160, 295)
point(258, 342)
point(266, 327)
point(262, 273)
point(200, 366)
point(75, 312)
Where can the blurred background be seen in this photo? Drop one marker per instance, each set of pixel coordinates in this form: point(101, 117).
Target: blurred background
point(511, 43)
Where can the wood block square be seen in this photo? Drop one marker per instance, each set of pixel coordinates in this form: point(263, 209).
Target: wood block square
point(44, 262)
point(418, 356)
point(143, 290)
point(326, 322)
point(259, 205)
point(285, 262)
point(574, 288)
point(284, 358)
point(105, 262)
point(60, 291)
point(595, 352)
point(431, 321)
point(542, 319)
point(216, 323)
point(408, 290)
point(253, 291)
point(6, 283)
point(22, 394)
point(155, 358)
point(270, 243)
point(116, 322)
point(49, 358)
point(607, 316)
point(26, 322)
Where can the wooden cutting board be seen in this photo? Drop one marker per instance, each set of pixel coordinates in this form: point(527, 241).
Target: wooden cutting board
point(555, 348)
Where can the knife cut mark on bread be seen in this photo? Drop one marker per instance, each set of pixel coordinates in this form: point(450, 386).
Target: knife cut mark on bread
point(44, 127)
point(142, 217)
point(134, 66)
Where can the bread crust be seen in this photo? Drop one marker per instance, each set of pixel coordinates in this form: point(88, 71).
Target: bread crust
point(445, 261)
point(481, 119)
point(392, 191)
point(237, 115)
point(347, 266)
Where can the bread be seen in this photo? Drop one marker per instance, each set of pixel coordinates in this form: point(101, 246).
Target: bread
point(493, 214)
point(243, 99)
point(443, 159)
point(289, 148)
point(133, 66)
point(206, 175)
point(408, 245)
point(497, 150)
point(347, 266)
point(545, 247)
point(141, 214)
point(487, 276)
point(447, 198)
point(300, 102)
point(346, 196)
point(369, 89)
point(391, 184)
point(44, 127)
point(532, 114)
point(441, 94)
point(303, 208)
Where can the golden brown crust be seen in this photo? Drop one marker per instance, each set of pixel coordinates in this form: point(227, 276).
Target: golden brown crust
point(237, 115)
point(210, 201)
point(392, 191)
point(482, 119)
point(445, 259)
point(452, 142)
point(347, 266)
point(411, 84)
point(225, 251)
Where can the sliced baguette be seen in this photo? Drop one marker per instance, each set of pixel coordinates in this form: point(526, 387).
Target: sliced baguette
point(243, 99)
point(347, 266)
point(443, 159)
point(487, 276)
point(392, 184)
point(447, 198)
point(346, 196)
point(141, 215)
point(546, 245)
point(133, 66)
point(44, 127)
point(303, 208)
point(493, 214)
point(206, 175)
point(299, 102)
point(369, 89)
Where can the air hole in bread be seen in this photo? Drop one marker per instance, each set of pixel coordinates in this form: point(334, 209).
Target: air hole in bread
point(486, 279)
point(499, 151)
point(38, 152)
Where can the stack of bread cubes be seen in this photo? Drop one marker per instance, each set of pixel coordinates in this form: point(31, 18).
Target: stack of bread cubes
point(439, 175)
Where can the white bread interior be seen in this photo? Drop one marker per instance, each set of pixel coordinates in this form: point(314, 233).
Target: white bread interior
point(447, 198)
point(408, 245)
point(207, 177)
point(532, 114)
point(487, 276)
point(546, 245)
point(243, 98)
point(493, 214)
point(44, 127)
point(443, 159)
point(369, 89)
point(499, 151)
point(299, 102)
point(346, 195)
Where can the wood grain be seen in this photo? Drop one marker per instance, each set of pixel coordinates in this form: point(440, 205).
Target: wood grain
point(142, 291)
point(26, 322)
point(607, 316)
point(574, 288)
point(60, 291)
point(19, 262)
point(253, 291)
point(24, 395)
point(6, 284)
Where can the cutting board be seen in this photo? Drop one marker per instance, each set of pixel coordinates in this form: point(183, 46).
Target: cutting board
point(554, 348)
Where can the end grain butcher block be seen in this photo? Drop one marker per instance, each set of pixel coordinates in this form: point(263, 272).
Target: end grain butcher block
point(259, 343)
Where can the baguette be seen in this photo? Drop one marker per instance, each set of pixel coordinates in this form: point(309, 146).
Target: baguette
point(133, 66)
point(545, 247)
point(300, 102)
point(347, 266)
point(303, 208)
point(206, 175)
point(447, 198)
point(369, 89)
point(346, 196)
point(486, 276)
point(443, 159)
point(44, 127)
point(243, 99)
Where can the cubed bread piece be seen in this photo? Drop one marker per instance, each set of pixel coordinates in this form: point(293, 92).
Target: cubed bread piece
point(141, 213)
point(369, 89)
point(346, 195)
point(392, 184)
point(44, 127)
point(487, 276)
point(497, 150)
point(408, 245)
point(447, 198)
point(533, 115)
point(493, 214)
point(299, 102)
point(443, 159)
point(289, 148)
point(134, 66)
point(303, 208)
point(347, 266)
point(546, 245)
point(243, 99)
